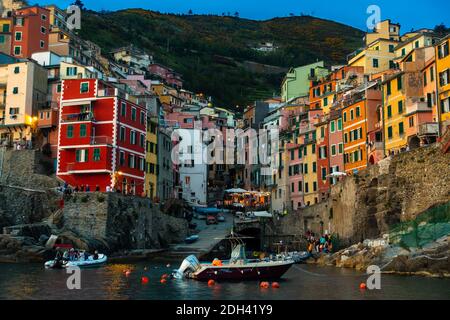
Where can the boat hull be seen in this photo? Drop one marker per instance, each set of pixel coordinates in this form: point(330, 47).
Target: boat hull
point(242, 273)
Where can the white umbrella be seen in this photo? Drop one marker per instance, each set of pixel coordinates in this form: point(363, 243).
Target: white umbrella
point(337, 174)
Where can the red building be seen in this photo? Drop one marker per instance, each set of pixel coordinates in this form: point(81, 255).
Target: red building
point(30, 31)
point(101, 137)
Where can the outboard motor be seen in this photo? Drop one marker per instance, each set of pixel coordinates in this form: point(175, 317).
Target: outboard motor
point(190, 264)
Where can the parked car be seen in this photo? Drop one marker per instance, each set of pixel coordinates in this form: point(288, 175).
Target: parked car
point(211, 220)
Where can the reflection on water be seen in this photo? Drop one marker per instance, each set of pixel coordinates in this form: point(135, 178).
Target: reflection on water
point(32, 281)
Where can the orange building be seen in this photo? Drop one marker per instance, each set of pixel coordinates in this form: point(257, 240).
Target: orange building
point(30, 31)
point(359, 115)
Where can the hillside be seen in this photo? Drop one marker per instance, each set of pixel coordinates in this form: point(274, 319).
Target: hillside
point(215, 53)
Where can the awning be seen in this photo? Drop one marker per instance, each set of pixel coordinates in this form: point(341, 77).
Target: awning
point(262, 214)
point(236, 190)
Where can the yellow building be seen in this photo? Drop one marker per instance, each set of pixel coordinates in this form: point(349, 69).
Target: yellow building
point(420, 40)
point(384, 30)
point(151, 158)
point(443, 77)
point(376, 57)
point(393, 111)
point(310, 184)
point(5, 35)
point(24, 88)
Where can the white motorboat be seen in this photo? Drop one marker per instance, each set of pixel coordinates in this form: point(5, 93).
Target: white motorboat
point(89, 262)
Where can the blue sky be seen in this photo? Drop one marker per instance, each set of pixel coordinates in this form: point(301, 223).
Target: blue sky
point(410, 14)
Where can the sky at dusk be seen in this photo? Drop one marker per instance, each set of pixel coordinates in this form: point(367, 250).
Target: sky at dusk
point(409, 13)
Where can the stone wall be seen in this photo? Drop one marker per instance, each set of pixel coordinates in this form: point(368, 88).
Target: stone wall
point(121, 222)
point(365, 205)
point(27, 194)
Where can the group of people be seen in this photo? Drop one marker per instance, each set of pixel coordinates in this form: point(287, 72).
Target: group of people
point(67, 189)
point(319, 243)
point(75, 255)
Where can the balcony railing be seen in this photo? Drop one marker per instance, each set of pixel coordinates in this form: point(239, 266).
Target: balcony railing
point(429, 128)
point(417, 106)
point(99, 140)
point(74, 117)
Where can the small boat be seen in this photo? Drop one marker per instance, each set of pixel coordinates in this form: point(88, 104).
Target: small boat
point(59, 263)
point(238, 268)
point(191, 239)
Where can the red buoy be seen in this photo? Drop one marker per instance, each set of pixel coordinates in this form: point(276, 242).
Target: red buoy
point(164, 276)
point(211, 282)
point(275, 285)
point(144, 280)
point(362, 285)
point(264, 285)
point(163, 281)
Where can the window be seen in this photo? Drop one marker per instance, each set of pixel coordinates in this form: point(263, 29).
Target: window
point(82, 155)
point(444, 77)
point(322, 132)
point(358, 111)
point(133, 137)
point(84, 87)
point(44, 17)
point(17, 50)
point(18, 36)
point(345, 116)
point(133, 114)
point(142, 117)
point(142, 141)
point(82, 130)
point(19, 21)
point(325, 101)
point(313, 148)
point(388, 88)
point(96, 156)
point(314, 186)
point(443, 50)
point(352, 115)
point(305, 168)
point(43, 30)
point(339, 124)
point(375, 63)
point(42, 44)
point(71, 71)
point(345, 137)
point(2, 38)
point(123, 109)
point(411, 122)
point(58, 88)
point(5, 28)
point(333, 150)
point(122, 134)
point(403, 51)
point(69, 131)
point(399, 83)
point(432, 74)
point(391, 48)
point(122, 158)
point(332, 126)
point(16, 70)
point(15, 90)
point(306, 187)
point(400, 106)
point(416, 44)
point(324, 174)
point(341, 148)
point(142, 164)
point(13, 111)
point(445, 105)
point(400, 128)
point(424, 78)
point(314, 165)
point(389, 111)
point(390, 132)
point(131, 161)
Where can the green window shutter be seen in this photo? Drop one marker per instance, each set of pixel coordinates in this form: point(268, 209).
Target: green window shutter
point(400, 128)
point(70, 131)
point(339, 124)
point(96, 154)
point(399, 83)
point(332, 125)
point(86, 155)
point(82, 130)
point(389, 111)
point(358, 112)
point(77, 156)
point(400, 106)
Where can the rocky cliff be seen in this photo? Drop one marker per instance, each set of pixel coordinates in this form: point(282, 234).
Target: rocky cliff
point(366, 205)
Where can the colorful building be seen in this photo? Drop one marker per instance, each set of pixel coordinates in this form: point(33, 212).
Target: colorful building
point(30, 31)
point(323, 127)
point(335, 144)
point(102, 137)
point(443, 77)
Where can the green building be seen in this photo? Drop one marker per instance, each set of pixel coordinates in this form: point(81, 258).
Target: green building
point(296, 82)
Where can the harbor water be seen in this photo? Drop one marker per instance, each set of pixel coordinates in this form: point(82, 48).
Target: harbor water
point(32, 281)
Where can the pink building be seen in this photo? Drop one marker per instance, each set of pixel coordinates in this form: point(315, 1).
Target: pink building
point(295, 175)
point(336, 145)
point(169, 76)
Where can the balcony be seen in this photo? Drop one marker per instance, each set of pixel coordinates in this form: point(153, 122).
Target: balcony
point(419, 106)
point(75, 117)
point(429, 129)
point(47, 118)
point(102, 166)
point(100, 140)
